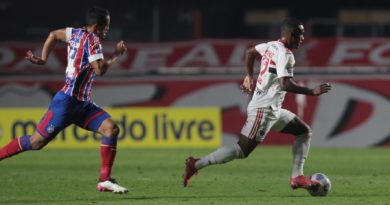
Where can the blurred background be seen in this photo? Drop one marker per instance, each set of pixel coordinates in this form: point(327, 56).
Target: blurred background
point(189, 53)
point(175, 20)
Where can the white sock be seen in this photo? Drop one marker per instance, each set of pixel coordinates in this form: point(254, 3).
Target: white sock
point(300, 150)
point(220, 156)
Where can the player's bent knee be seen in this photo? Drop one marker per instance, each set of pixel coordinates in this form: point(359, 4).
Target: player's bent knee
point(246, 146)
point(306, 135)
point(307, 129)
point(113, 131)
point(304, 131)
point(37, 145)
point(37, 142)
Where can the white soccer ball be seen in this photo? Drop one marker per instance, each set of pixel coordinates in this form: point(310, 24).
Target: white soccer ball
point(325, 185)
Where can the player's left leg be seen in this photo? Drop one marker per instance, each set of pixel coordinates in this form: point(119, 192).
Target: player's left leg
point(259, 122)
point(97, 120)
point(222, 155)
point(109, 130)
point(225, 154)
point(289, 123)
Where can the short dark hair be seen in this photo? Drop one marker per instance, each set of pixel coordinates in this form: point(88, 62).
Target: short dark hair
point(290, 23)
point(97, 15)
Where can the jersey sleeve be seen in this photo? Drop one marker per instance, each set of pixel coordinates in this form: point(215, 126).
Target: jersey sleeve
point(261, 48)
point(68, 33)
point(95, 50)
point(285, 63)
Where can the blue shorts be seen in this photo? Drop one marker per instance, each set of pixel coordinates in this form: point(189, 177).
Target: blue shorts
point(65, 110)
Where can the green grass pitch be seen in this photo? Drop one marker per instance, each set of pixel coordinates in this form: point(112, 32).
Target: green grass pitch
point(154, 176)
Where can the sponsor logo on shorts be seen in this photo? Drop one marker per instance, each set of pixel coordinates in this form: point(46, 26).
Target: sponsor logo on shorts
point(50, 129)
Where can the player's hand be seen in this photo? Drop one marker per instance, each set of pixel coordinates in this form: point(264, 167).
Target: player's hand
point(34, 59)
point(120, 48)
point(247, 85)
point(321, 89)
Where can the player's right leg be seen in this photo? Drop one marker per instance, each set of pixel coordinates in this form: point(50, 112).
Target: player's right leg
point(55, 119)
point(16, 146)
point(34, 142)
point(22, 144)
point(289, 123)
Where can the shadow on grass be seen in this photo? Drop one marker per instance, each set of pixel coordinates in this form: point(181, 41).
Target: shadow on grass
point(124, 198)
point(119, 198)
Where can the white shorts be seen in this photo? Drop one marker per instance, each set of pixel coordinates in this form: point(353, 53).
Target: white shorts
point(260, 120)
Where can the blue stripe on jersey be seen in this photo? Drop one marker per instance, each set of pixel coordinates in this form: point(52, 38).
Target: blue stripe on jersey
point(88, 87)
point(86, 47)
point(86, 51)
point(79, 81)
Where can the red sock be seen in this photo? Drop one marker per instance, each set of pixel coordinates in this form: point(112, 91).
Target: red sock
point(107, 153)
point(13, 148)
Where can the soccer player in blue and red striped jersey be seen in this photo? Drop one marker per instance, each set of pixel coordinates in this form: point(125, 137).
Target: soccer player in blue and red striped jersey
point(72, 104)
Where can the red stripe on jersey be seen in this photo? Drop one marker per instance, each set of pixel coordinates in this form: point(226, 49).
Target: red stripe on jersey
point(92, 44)
point(84, 84)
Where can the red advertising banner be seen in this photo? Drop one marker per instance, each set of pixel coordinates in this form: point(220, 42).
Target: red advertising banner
point(355, 113)
point(207, 56)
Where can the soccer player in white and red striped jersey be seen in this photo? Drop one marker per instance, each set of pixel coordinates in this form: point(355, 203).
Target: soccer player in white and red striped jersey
point(265, 110)
point(72, 104)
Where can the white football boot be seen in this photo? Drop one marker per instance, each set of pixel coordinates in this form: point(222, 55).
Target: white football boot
point(111, 186)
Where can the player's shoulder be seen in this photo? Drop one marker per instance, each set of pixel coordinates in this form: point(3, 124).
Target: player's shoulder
point(74, 32)
point(75, 29)
point(83, 30)
point(281, 49)
point(268, 45)
point(280, 46)
point(93, 37)
point(275, 44)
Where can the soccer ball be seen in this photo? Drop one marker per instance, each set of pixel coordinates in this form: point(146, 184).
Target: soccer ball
point(325, 184)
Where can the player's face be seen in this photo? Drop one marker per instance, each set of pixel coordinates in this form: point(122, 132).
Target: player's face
point(297, 36)
point(102, 31)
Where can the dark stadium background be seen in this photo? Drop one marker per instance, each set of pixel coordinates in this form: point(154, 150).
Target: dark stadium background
point(178, 20)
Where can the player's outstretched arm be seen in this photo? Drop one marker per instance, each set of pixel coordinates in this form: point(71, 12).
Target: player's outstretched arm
point(287, 84)
point(101, 66)
point(54, 36)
